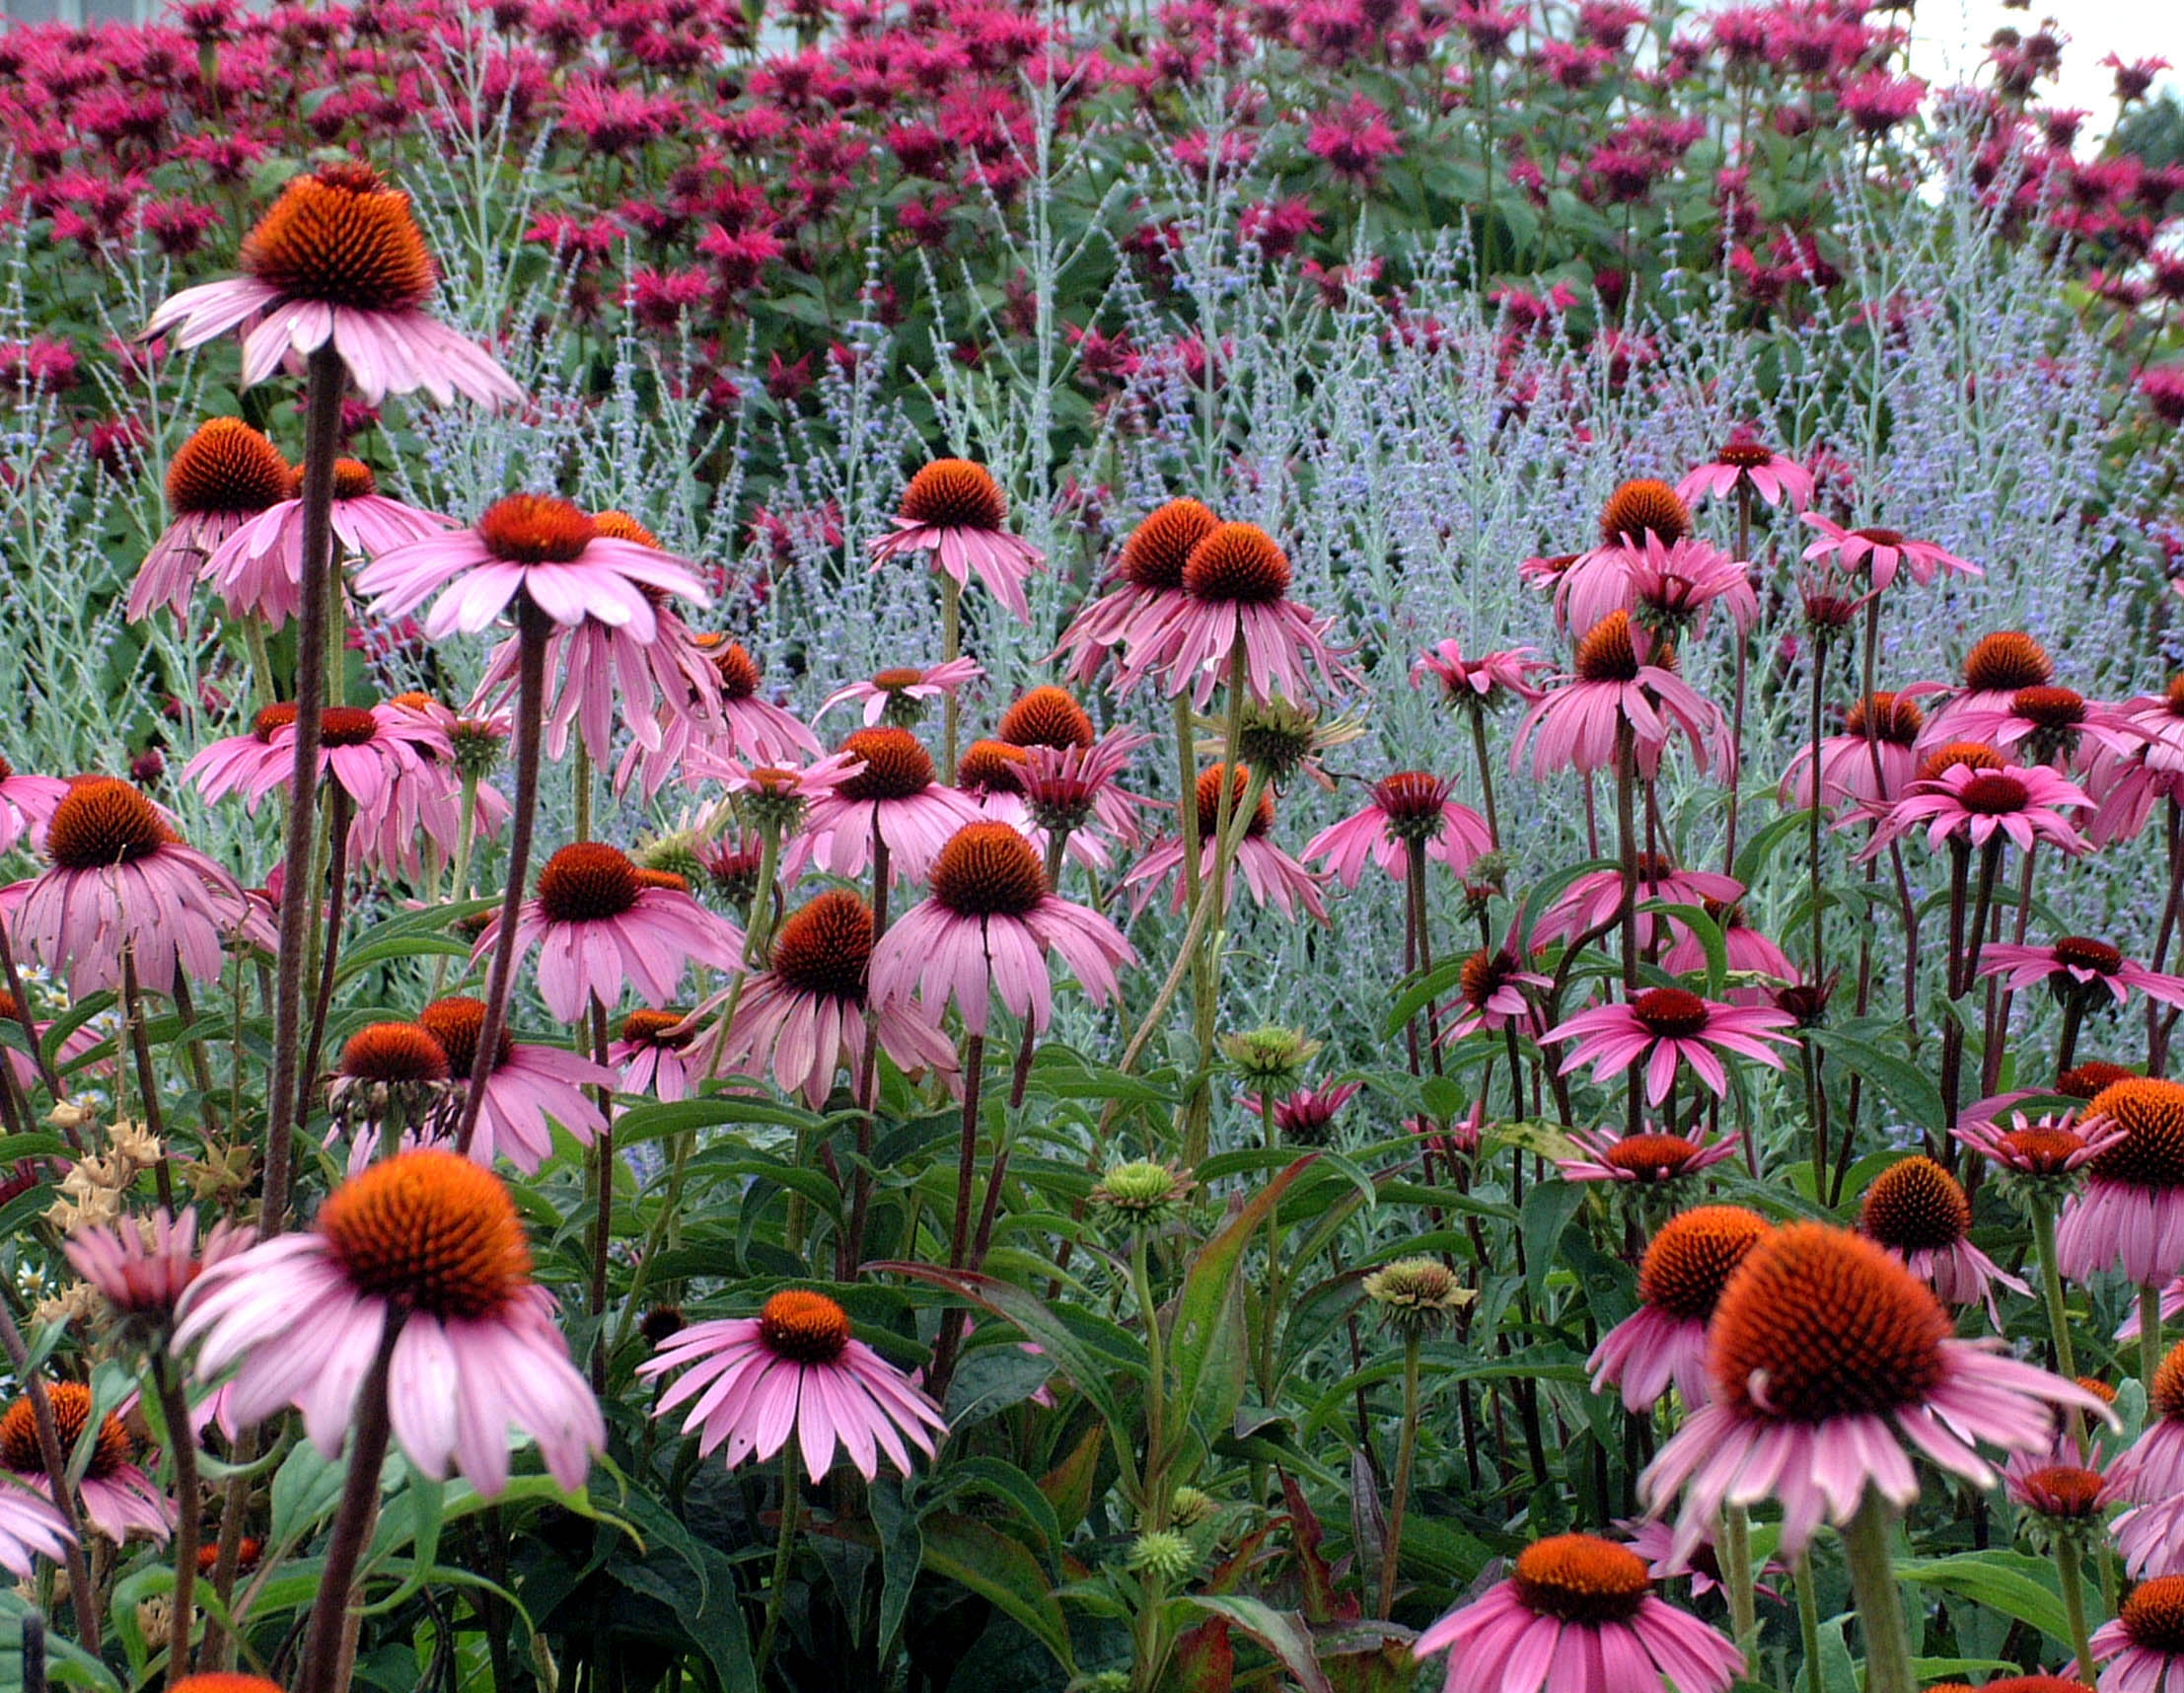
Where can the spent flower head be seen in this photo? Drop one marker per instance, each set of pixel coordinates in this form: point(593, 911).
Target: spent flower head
point(1417, 1296)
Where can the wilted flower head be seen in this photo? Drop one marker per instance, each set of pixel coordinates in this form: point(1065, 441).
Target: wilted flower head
point(1417, 1296)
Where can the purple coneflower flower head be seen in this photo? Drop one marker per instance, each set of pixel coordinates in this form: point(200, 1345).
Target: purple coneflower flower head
point(2080, 967)
point(26, 802)
point(955, 510)
point(1148, 577)
point(1663, 1343)
point(2049, 1149)
point(1651, 1157)
point(2141, 1651)
point(1672, 589)
point(651, 1054)
point(1408, 806)
point(1668, 1027)
point(1592, 899)
point(1881, 552)
point(985, 928)
point(1306, 1117)
point(794, 1370)
point(1073, 789)
point(339, 258)
point(118, 1498)
point(661, 687)
point(537, 546)
point(1579, 1615)
point(1745, 462)
point(1273, 877)
point(530, 1090)
point(804, 1018)
point(2131, 1213)
point(1921, 1215)
point(30, 1526)
point(219, 480)
point(121, 880)
point(1578, 724)
point(422, 1254)
point(1832, 1365)
point(2023, 804)
point(1596, 582)
point(2046, 724)
point(894, 796)
point(258, 572)
point(142, 1266)
point(902, 695)
point(2002, 664)
point(1872, 762)
point(2151, 1470)
point(1490, 990)
point(1483, 683)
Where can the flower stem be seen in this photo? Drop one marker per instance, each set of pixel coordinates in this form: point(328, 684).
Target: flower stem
point(2051, 1286)
point(2074, 1602)
point(1812, 832)
point(2150, 1336)
point(951, 647)
point(298, 897)
point(1743, 674)
point(1880, 1602)
point(959, 1234)
point(83, 1599)
point(1406, 1450)
point(338, 884)
point(182, 1446)
point(784, 1546)
point(352, 1527)
point(532, 628)
point(1207, 1008)
point(603, 1235)
point(1486, 775)
point(1737, 1579)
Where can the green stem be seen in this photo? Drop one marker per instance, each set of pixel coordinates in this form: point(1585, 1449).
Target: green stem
point(2051, 1286)
point(182, 1446)
point(951, 647)
point(1808, 1623)
point(1406, 1450)
point(2074, 1602)
point(784, 1544)
point(1154, 1507)
point(2150, 1336)
point(1880, 1602)
point(1735, 1557)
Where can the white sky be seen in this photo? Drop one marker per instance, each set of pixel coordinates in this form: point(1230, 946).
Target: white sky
point(1949, 42)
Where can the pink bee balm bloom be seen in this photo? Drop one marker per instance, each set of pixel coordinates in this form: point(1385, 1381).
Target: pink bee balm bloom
point(1651, 1157)
point(651, 1054)
point(1577, 726)
point(985, 929)
point(29, 1527)
point(1149, 579)
point(2131, 1213)
point(1667, 1026)
point(220, 478)
point(1881, 552)
point(1592, 899)
point(1828, 1360)
point(1745, 462)
point(118, 1498)
point(1874, 761)
point(26, 802)
point(534, 545)
point(258, 569)
point(1273, 877)
point(900, 696)
point(1663, 1344)
point(1410, 805)
point(805, 1016)
point(339, 259)
point(2023, 804)
point(794, 1368)
point(529, 1090)
point(2143, 1650)
point(599, 926)
point(121, 880)
point(142, 1266)
point(1919, 1212)
point(1481, 683)
point(1236, 596)
point(1579, 1615)
point(1490, 990)
point(2076, 966)
point(892, 795)
point(431, 1242)
point(955, 510)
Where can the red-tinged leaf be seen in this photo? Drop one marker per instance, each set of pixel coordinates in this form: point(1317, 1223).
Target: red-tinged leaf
point(1204, 1660)
point(1283, 1632)
point(980, 1557)
point(1322, 1603)
point(1068, 1485)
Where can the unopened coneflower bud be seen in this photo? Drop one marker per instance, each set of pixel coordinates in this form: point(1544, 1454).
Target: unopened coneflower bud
point(678, 854)
point(1188, 1507)
point(1164, 1555)
point(1271, 1059)
point(1417, 1296)
point(1277, 737)
point(1140, 1190)
point(477, 747)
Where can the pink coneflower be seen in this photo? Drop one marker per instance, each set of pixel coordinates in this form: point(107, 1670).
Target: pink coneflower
point(533, 544)
point(1490, 991)
point(2023, 804)
point(1148, 576)
point(431, 1242)
point(1663, 1343)
point(900, 696)
point(1697, 1564)
point(1577, 726)
point(1409, 806)
point(29, 1527)
point(2056, 1486)
point(220, 478)
point(1651, 1157)
point(2046, 724)
point(531, 1087)
point(2047, 1148)
point(1067, 789)
point(894, 796)
point(1919, 1212)
point(2076, 966)
point(1273, 877)
point(1668, 1027)
point(122, 881)
point(118, 1498)
point(25, 804)
point(1306, 1117)
point(985, 929)
point(1827, 1359)
point(258, 569)
point(2143, 1650)
point(1872, 761)
point(2000, 665)
point(1745, 951)
point(1595, 897)
point(2125, 785)
point(796, 1370)
point(955, 510)
point(1745, 462)
point(1579, 1615)
point(1597, 582)
point(142, 1266)
point(599, 926)
point(754, 728)
point(776, 796)
point(1483, 682)
point(1235, 590)
point(2150, 1474)
point(1881, 552)
point(652, 1055)
point(339, 259)
point(2131, 1213)
point(804, 1018)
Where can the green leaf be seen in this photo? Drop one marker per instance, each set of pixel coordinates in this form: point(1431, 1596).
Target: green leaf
point(2015, 1584)
point(1000, 1570)
point(1281, 1632)
point(1548, 1208)
point(1903, 1082)
point(306, 1489)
